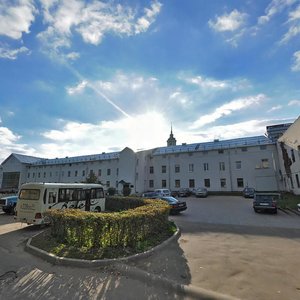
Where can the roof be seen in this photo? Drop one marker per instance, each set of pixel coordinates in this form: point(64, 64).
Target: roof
point(25, 159)
point(215, 145)
point(292, 135)
point(76, 159)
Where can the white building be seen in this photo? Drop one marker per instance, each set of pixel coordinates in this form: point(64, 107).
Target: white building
point(220, 166)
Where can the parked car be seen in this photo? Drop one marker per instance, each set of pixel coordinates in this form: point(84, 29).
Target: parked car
point(248, 192)
point(150, 195)
point(176, 206)
point(163, 192)
point(201, 192)
point(8, 204)
point(265, 202)
point(184, 192)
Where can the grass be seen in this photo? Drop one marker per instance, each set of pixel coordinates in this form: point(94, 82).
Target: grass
point(49, 244)
point(289, 200)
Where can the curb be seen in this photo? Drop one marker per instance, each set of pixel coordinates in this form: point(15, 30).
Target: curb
point(83, 263)
point(118, 264)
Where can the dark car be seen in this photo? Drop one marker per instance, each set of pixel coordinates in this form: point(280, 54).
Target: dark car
point(248, 192)
point(150, 195)
point(176, 206)
point(184, 192)
point(265, 202)
point(8, 204)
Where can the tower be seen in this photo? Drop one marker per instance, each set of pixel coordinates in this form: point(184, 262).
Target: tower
point(171, 140)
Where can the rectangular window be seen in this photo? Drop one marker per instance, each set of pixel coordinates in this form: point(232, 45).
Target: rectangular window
point(69, 173)
point(177, 183)
point(99, 172)
point(50, 174)
point(117, 171)
point(220, 151)
point(207, 182)
point(240, 182)
point(191, 168)
point(164, 169)
point(164, 183)
point(205, 166)
point(293, 155)
point(108, 172)
point(108, 184)
point(151, 170)
point(244, 149)
point(39, 175)
point(292, 182)
point(238, 164)
point(297, 180)
point(33, 175)
point(265, 163)
point(83, 173)
point(76, 173)
point(222, 166)
point(191, 183)
point(223, 182)
point(177, 168)
point(44, 174)
point(151, 183)
point(262, 147)
point(28, 175)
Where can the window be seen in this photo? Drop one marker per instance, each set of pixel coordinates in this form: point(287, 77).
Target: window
point(238, 164)
point(223, 182)
point(297, 180)
point(151, 171)
point(192, 183)
point(99, 172)
point(240, 182)
point(83, 173)
point(164, 169)
point(191, 167)
point(44, 174)
point(117, 171)
point(33, 175)
point(151, 183)
point(69, 173)
point(164, 183)
point(39, 175)
point(222, 166)
point(76, 173)
point(28, 175)
point(293, 155)
point(207, 182)
point(265, 163)
point(108, 172)
point(292, 182)
point(50, 174)
point(220, 151)
point(262, 147)
point(108, 182)
point(177, 183)
point(205, 166)
point(244, 149)
point(177, 168)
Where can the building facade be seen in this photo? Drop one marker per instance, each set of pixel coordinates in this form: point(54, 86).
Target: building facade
point(220, 166)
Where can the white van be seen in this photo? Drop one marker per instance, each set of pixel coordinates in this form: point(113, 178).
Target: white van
point(163, 192)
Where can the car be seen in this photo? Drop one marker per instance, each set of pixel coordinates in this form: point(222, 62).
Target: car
point(201, 192)
point(184, 192)
point(163, 192)
point(150, 195)
point(176, 206)
point(263, 202)
point(8, 204)
point(248, 192)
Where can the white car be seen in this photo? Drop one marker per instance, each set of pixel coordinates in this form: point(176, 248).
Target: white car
point(163, 192)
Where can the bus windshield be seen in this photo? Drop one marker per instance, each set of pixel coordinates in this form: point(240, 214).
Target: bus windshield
point(29, 194)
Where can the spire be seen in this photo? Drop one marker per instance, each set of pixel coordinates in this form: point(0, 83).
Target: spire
point(171, 140)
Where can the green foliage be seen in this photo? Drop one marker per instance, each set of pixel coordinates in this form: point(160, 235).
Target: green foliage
point(289, 200)
point(92, 178)
point(131, 222)
point(126, 191)
point(111, 191)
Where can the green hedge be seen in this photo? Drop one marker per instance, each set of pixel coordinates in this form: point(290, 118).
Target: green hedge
point(136, 220)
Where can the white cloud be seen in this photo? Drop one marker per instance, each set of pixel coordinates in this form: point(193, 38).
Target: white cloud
point(274, 108)
point(12, 54)
point(78, 88)
point(228, 22)
point(92, 20)
point(86, 138)
point(227, 109)
point(292, 32)
point(296, 64)
point(275, 7)
point(294, 103)
point(16, 17)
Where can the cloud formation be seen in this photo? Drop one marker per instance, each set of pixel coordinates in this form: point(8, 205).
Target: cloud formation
point(296, 62)
point(12, 54)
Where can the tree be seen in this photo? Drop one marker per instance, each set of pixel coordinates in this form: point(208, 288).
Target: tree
point(92, 178)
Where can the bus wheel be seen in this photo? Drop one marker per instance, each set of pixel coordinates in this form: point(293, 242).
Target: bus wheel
point(98, 209)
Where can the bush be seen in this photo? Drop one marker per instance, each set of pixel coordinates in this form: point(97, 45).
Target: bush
point(136, 221)
point(111, 191)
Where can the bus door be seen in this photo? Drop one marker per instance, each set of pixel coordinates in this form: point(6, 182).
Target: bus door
point(51, 198)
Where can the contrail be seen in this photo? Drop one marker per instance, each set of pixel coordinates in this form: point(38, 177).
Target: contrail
point(97, 90)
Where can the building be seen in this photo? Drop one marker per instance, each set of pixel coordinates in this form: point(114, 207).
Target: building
point(220, 166)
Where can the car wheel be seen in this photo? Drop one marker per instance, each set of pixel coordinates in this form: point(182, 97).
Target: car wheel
point(98, 209)
point(275, 211)
point(256, 210)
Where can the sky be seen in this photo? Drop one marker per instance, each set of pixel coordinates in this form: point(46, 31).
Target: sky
point(82, 77)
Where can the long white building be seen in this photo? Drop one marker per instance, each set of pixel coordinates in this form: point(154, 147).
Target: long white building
point(220, 166)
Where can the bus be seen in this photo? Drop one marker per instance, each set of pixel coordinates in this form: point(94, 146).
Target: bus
point(34, 199)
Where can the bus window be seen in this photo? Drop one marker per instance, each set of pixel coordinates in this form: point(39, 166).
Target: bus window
point(29, 194)
point(51, 197)
point(99, 193)
point(45, 195)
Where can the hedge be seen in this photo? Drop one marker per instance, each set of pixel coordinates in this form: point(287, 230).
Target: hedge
point(131, 221)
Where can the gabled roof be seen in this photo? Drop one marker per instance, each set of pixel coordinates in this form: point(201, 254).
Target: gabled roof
point(25, 159)
point(215, 145)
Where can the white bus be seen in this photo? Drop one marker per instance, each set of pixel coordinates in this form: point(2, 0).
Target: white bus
point(36, 198)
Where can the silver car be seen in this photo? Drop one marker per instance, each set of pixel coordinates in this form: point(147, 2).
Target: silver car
point(201, 192)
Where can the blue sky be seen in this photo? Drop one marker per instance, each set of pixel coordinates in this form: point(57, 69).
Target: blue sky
point(82, 77)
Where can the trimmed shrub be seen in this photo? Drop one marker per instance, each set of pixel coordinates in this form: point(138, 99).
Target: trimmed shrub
point(132, 221)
